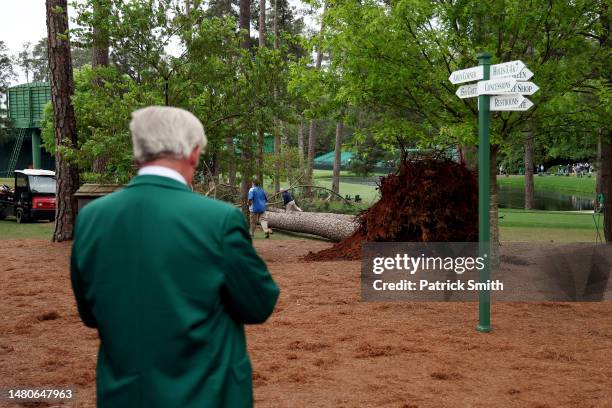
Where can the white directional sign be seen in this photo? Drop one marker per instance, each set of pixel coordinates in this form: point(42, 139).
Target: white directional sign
point(467, 75)
point(467, 91)
point(524, 75)
point(506, 69)
point(523, 88)
point(496, 86)
point(525, 105)
point(506, 102)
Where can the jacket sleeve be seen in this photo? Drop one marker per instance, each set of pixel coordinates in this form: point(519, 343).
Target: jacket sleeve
point(77, 287)
point(252, 293)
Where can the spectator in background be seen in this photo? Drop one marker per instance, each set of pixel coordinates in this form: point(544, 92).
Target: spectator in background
point(289, 202)
point(258, 207)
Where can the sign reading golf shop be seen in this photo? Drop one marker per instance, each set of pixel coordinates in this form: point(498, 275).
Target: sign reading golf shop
point(500, 87)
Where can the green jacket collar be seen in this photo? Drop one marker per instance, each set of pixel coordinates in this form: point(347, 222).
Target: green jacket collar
point(157, 181)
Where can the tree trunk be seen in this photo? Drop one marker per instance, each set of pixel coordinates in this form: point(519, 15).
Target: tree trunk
point(259, 160)
point(100, 46)
point(100, 58)
point(260, 133)
point(231, 164)
point(262, 23)
point(606, 184)
point(300, 141)
point(312, 131)
point(337, 157)
point(245, 171)
point(62, 89)
point(529, 170)
point(245, 23)
point(312, 141)
point(334, 227)
point(598, 172)
point(277, 163)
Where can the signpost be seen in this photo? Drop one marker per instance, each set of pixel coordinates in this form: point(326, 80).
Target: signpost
point(500, 88)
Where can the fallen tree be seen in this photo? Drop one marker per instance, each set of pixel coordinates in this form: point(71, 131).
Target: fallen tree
point(334, 227)
point(432, 200)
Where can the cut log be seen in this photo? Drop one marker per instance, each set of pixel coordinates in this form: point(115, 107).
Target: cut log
point(334, 227)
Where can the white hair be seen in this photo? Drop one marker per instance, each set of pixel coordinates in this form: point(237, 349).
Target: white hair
point(159, 131)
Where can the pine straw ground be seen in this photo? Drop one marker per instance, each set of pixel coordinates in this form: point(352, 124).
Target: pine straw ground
point(324, 348)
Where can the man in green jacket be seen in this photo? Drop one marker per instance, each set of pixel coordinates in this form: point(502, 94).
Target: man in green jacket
point(169, 278)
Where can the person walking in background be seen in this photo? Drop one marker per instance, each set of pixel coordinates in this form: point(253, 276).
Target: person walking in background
point(169, 278)
point(289, 202)
point(258, 207)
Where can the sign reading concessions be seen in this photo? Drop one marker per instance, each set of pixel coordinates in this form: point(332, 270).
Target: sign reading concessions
point(496, 86)
point(507, 69)
point(467, 75)
point(506, 102)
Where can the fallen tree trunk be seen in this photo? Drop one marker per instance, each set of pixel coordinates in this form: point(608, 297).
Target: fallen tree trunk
point(334, 227)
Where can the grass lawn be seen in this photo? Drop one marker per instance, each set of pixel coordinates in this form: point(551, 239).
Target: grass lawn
point(9, 229)
point(570, 185)
point(8, 181)
point(546, 226)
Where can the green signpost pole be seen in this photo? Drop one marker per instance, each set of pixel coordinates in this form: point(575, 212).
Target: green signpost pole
point(484, 230)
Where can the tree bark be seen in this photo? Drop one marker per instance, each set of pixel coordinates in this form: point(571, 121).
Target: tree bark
point(259, 160)
point(62, 89)
point(334, 227)
point(606, 184)
point(337, 158)
point(277, 138)
point(262, 23)
point(312, 131)
point(245, 171)
point(100, 48)
point(529, 190)
point(598, 172)
point(300, 141)
point(260, 133)
point(245, 23)
point(100, 58)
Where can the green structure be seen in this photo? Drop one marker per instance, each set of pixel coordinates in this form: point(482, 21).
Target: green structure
point(26, 103)
point(326, 161)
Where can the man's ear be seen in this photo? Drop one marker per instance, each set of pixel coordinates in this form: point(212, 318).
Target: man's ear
point(194, 157)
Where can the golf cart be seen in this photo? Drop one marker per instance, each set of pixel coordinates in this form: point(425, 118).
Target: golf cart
point(33, 197)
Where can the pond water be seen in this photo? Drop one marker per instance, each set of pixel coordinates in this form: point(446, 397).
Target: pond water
point(514, 197)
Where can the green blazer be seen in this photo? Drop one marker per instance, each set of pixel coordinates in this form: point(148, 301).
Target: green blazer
point(169, 278)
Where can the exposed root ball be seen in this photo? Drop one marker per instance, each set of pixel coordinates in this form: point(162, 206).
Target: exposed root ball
point(430, 200)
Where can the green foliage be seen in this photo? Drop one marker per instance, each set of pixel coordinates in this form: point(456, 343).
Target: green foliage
point(103, 115)
point(6, 75)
